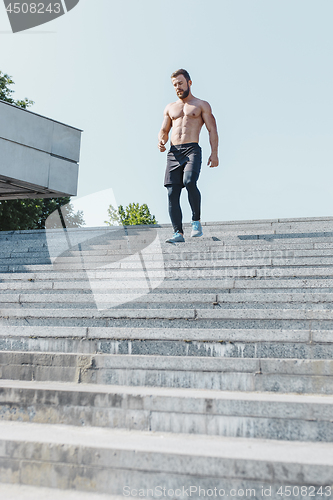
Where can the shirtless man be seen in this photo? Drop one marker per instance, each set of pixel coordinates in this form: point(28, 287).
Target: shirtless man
point(186, 117)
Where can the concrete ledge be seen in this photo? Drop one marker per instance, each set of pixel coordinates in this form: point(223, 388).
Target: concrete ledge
point(102, 258)
point(8, 250)
point(38, 132)
point(23, 492)
point(232, 414)
point(315, 224)
point(169, 334)
point(186, 314)
point(216, 343)
point(76, 271)
point(61, 281)
point(177, 457)
point(241, 374)
point(38, 156)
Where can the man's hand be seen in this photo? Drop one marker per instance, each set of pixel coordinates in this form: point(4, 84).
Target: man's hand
point(213, 161)
point(161, 146)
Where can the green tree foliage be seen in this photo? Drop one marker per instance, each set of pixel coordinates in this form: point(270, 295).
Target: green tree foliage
point(30, 213)
point(6, 92)
point(133, 215)
point(70, 218)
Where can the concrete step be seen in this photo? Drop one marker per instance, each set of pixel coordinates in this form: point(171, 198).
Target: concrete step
point(229, 244)
point(133, 234)
point(317, 319)
point(186, 270)
point(107, 460)
point(32, 282)
point(90, 304)
point(227, 248)
point(221, 252)
point(54, 298)
point(139, 290)
point(236, 374)
point(134, 237)
point(171, 334)
point(237, 343)
point(132, 275)
point(23, 492)
point(218, 242)
point(224, 254)
point(232, 414)
point(230, 251)
point(299, 224)
point(95, 262)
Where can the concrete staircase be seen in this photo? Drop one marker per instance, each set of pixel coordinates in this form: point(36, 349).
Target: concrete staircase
point(128, 364)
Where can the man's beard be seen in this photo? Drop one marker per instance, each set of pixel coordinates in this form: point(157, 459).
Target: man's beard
point(185, 93)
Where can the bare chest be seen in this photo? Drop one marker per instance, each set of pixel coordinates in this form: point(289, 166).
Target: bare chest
point(184, 111)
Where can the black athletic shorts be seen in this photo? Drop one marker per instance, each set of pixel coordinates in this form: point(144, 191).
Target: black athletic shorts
point(182, 158)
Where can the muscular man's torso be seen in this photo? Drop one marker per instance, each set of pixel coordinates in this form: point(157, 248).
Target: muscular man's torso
point(186, 120)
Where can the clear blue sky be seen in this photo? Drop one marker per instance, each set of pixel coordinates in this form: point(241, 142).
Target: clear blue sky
point(264, 66)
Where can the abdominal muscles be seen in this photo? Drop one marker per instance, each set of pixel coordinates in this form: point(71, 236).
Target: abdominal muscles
point(186, 129)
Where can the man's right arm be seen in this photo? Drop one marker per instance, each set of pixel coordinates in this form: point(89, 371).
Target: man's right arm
point(165, 129)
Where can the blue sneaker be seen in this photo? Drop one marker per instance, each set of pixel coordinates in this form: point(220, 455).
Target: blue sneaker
point(196, 229)
point(176, 238)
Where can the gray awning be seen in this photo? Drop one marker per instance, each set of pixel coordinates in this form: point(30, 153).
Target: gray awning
point(38, 156)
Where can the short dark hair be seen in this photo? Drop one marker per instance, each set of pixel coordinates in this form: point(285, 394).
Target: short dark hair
point(181, 72)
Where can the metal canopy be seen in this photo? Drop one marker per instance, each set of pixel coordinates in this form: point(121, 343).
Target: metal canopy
point(38, 156)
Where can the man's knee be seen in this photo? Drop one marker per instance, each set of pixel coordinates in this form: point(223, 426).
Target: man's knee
point(190, 180)
point(190, 184)
point(173, 191)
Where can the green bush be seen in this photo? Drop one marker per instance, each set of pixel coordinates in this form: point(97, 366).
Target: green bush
point(133, 215)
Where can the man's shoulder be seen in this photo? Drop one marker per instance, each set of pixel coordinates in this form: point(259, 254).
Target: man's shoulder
point(172, 104)
point(205, 106)
point(169, 106)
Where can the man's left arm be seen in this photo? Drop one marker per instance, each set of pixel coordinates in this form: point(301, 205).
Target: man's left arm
point(210, 123)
